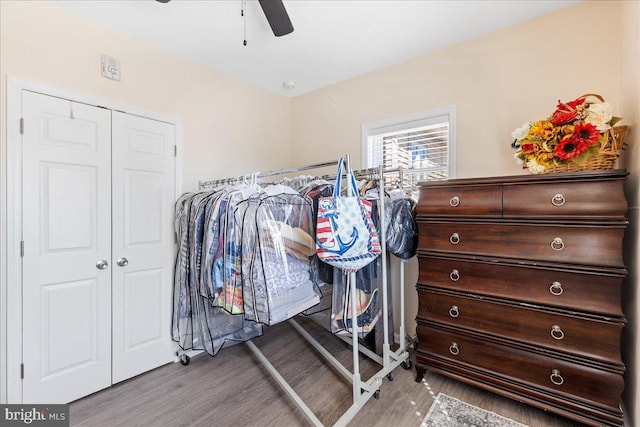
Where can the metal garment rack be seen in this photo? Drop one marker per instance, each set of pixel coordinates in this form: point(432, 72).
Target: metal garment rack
point(362, 390)
point(212, 183)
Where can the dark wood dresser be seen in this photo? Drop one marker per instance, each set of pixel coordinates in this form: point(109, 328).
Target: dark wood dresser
point(520, 288)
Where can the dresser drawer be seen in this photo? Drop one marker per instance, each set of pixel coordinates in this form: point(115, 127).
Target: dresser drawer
point(559, 379)
point(574, 244)
point(590, 291)
point(575, 199)
point(597, 339)
point(465, 201)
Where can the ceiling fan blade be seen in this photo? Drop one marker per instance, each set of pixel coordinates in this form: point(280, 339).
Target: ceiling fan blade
point(277, 17)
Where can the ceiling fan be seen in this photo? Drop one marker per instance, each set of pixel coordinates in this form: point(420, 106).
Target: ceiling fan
point(276, 14)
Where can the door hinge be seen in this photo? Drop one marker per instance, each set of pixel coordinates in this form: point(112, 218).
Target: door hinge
point(22, 371)
point(21, 126)
point(175, 151)
point(22, 248)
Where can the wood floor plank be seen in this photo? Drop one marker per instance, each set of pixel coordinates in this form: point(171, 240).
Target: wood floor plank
point(233, 389)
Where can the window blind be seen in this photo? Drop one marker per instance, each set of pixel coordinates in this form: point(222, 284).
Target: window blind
point(423, 151)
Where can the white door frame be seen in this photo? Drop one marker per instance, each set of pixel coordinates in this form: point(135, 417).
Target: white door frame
point(13, 304)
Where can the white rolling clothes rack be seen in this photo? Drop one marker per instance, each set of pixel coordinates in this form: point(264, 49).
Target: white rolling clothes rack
point(362, 390)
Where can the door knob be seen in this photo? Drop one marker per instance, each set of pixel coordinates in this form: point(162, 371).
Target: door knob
point(122, 262)
point(101, 265)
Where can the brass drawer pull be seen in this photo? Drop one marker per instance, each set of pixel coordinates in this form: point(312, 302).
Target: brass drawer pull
point(454, 275)
point(556, 378)
point(454, 349)
point(556, 288)
point(558, 200)
point(557, 244)
point(454, 201)
point(454, 311)
point(556, 332)
point(454, 239)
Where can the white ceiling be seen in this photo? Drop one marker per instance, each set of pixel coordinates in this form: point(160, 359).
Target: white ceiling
point(332, 41)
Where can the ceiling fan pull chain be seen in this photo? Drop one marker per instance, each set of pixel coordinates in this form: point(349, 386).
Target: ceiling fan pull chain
point(244, 18)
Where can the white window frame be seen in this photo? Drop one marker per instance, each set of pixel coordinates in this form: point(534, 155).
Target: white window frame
point(410, 121)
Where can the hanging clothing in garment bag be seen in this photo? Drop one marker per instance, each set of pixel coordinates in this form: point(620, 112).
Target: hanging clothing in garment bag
point(276, 250)
point(198, 323)
point(229, 268)
point(402, 229)
point(321, 273)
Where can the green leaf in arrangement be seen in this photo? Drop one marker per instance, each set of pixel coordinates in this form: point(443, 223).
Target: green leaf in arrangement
point(614, 120)
point(586, 155)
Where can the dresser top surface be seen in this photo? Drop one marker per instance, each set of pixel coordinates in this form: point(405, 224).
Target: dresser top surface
point(527, 179)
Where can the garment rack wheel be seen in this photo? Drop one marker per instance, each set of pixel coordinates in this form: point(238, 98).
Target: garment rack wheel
point(390, 376)
point(184, 359)
point(406, 365)
point(376, 394)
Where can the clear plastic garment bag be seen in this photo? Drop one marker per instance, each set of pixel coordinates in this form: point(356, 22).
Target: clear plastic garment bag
point(276, 249)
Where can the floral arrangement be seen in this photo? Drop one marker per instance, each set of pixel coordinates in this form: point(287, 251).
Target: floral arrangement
point(573, 133)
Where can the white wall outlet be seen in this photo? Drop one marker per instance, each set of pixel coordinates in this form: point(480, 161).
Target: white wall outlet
point(110, 68)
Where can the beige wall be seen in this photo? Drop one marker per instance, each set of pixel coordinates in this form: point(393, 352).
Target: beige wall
point(630, 108)
point(497, 82)
point(230, 127)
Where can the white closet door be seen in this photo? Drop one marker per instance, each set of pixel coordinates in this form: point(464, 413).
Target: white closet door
point(143, 243)
point(67, 235)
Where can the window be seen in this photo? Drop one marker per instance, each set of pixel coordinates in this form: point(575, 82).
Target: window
point(422, 143)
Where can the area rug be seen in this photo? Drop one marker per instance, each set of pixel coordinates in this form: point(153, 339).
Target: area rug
point(447, 411)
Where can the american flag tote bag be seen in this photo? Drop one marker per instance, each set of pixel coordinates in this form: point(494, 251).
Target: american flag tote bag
point(345, 236)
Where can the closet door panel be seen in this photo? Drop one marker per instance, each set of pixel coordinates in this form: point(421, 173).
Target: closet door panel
point(143, 242)
point(142, 208)
point(142, 289)
point(67, 233)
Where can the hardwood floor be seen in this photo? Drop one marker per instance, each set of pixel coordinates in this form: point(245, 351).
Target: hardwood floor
point(232, 389)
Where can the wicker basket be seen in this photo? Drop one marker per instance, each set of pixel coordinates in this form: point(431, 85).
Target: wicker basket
point(609, 153)
point(609, 149)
